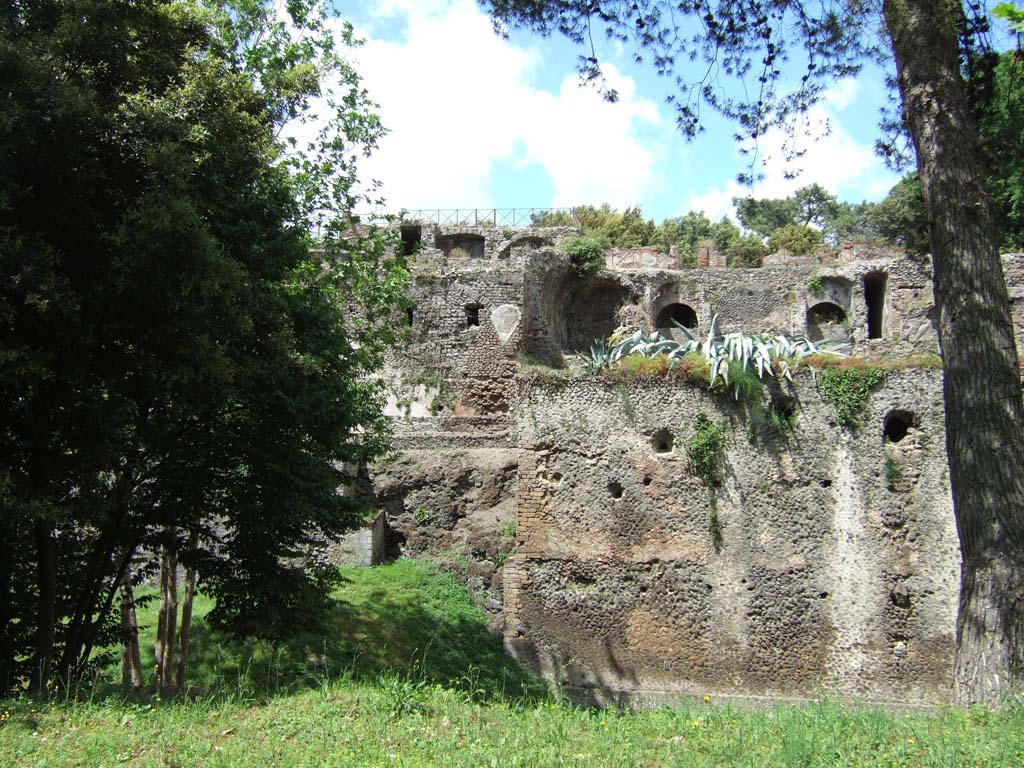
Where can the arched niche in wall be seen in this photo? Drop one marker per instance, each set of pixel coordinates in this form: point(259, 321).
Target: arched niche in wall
point(590, 311)
point(826, 320)
point(529, 242)
point(461, 246)
point(683, 314)
point(833, 289)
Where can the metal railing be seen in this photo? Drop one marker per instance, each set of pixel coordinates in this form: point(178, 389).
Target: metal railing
point(514, 218)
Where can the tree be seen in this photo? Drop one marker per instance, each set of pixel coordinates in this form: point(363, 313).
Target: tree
point(765, 216)
point(900, 218)
point(182, 366)
point(982, 391)
point(797, 239)
point(1001, 128)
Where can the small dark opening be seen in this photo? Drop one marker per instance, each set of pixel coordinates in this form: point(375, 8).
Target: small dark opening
point(648, 480)
point(412, 238)
point(409, 316)
point(615, 489)
point(472, 315)
point(463, 246)
point(826, 483)
point(897, 424)
point(874, 298)
point(683, 314)
point(662, 441)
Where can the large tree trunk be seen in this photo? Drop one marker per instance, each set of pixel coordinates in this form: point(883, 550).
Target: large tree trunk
point(984, 425)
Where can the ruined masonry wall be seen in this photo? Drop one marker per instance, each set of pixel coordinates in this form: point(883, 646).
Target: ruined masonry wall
point(825, 577)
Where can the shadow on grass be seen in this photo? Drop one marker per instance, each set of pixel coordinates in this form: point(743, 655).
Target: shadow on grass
point(405, 620)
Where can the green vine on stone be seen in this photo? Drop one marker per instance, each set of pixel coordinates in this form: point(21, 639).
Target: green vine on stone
point(705, 450)
point(848, 390)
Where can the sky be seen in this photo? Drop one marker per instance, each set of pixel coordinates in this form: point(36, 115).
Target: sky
point(476, 121)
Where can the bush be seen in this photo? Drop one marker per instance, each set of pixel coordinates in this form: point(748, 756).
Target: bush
point(586, 254)
point(796, 239)
point(848, 390)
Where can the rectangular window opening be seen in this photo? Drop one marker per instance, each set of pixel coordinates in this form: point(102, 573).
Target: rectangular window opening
point(874, 298)
point(412, 238)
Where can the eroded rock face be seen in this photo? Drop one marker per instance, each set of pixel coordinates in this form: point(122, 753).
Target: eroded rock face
point(837, 563)
point(826, 575)
point(457, 506)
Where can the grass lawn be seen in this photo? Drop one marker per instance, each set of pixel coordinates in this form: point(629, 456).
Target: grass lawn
point(408, 676)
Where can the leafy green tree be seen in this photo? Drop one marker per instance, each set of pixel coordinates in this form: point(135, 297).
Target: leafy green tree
point(852, 221)
point(747, 250)
point(686, 232)
point(936, 46)
point(1002, 133)
point(765, 216)
point(900, 218)
point(182, 367)
point(796, 239)
point(628, 229)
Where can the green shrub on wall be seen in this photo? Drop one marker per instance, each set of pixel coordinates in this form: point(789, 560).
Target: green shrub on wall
point(848, 390)
point(586, 254)
point(705, 448)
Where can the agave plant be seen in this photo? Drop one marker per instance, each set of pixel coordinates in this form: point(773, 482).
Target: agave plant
point(759, 351)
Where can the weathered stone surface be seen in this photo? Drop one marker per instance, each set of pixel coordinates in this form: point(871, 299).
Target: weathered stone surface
point(838, 565)
point(824, 578)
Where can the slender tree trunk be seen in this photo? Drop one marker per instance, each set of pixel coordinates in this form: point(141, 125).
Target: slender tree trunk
point(185, 632)
point(984, 424)
point(92, 630)
point(168, 621)
point(131, 658)
point(89, 613)
point(46, 619)
point(7, 653)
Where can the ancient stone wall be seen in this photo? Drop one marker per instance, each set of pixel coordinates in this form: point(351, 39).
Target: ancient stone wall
point(837, 566)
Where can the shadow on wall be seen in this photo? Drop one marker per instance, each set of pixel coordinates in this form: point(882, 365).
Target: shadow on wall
point(590, 310)
point(673, 314)
point(826, 320)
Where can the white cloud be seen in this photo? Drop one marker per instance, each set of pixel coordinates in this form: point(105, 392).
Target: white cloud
point(457, 99)
point(829, 156)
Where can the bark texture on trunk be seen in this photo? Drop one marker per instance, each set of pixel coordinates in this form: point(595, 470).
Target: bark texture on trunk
point(131, 658)
point(185, 632)
point(168, 619)
point(984, 425)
